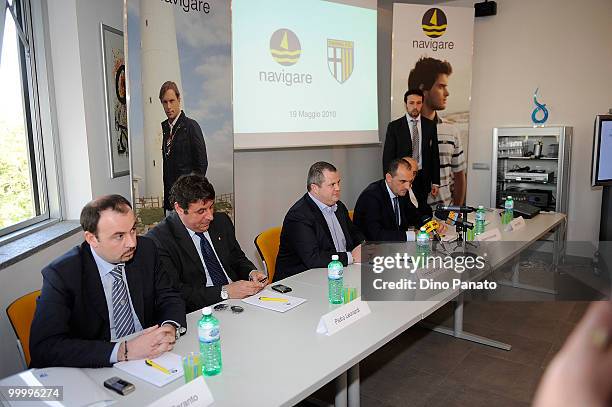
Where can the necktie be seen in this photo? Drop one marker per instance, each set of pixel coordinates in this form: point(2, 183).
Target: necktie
point(416, 148)
point(212, 264)
point(396, 210)
point(122, 312)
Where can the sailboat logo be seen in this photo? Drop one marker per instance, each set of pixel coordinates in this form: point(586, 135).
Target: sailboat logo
point(434, 23)
point(285, 47)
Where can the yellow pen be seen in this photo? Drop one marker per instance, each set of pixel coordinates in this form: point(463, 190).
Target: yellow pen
point(273, 299)
point(154, 365)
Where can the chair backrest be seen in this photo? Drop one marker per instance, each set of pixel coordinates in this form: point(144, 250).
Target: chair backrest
point(267, 243)
point(21, 314)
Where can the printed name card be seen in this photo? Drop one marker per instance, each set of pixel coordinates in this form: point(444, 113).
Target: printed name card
point(518, 223)
point(193, 394)
point(493, 235)
point(343, 316)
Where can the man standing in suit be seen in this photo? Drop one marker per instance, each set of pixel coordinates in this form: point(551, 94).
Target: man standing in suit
point(183, 146)
point(415, 136)
point(381, 214)
point(317, 226)
point(199, 249)
point(431, 76)
point(98, 293)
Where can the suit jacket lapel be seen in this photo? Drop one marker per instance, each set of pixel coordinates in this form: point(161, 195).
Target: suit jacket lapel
point(133, 276)
point(387, 203)
point(93, 285)
point(319, 217)
point(184, 240)
point(218, 245)
point(405, 130)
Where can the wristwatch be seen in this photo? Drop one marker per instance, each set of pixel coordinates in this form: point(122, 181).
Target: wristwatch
point(224, 293)
point(179, 330)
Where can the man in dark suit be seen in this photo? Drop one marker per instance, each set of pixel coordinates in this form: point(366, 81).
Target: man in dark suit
point(381, 214)
point(110, 287)
point(183, 146)
point(415, 136)
point(199, 248)
point(317, 226)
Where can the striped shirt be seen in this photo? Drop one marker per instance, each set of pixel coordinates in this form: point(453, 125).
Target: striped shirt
point(452, 160)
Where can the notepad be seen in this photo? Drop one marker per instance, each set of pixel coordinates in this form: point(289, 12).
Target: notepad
point(171, 361)
point(274, 301)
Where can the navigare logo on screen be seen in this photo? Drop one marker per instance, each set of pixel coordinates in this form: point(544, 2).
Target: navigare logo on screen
point(434, 23)
point(285, 47)
point(340, 59)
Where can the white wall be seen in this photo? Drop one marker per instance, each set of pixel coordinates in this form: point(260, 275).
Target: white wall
point(562, 47)
point(70, 106)
point(76, 59)
point(90, 14)
point(17, 280)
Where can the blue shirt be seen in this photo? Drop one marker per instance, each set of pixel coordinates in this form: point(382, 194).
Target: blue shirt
point(329, 213)
point(104, 268)
point(196, 242)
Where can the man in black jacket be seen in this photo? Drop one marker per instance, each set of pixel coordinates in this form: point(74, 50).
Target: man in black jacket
point(110, 287)
point(183, 146)
point(199, 249)
point(381, 213)
point(415, 136)
point(317, 226)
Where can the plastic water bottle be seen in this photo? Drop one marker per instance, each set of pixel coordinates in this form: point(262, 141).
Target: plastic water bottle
point(335, 280)
point(508, 210)
point(422, 243)
point(210, 343)
point(480, 220)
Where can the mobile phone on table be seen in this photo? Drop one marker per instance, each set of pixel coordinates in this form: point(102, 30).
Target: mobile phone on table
point(281, 288)
point(119, 385)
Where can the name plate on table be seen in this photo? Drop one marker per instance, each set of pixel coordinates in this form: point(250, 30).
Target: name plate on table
point(518, 223)
point(343, 316)
point(493, 235)
point(193, 394)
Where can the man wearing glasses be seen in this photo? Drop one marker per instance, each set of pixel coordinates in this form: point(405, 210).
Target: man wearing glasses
point(198, 248)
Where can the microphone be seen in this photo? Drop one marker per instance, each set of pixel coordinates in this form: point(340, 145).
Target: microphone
point(452, 218)
point(431, 226)
point(455, 208)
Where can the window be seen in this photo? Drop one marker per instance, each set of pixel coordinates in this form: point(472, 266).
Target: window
point(23, 189)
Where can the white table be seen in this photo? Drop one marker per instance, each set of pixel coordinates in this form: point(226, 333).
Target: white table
point(278, 359)
point(499, 255)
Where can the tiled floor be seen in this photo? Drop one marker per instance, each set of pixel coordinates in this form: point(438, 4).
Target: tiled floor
point(425, 368)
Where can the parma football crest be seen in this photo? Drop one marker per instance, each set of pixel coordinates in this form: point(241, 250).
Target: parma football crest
point(340, 59)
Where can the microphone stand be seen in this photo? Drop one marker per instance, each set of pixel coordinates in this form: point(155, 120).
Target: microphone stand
point(462, 227)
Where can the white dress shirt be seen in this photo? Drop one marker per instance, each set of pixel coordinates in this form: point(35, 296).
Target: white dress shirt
point(418, 123)
point(410, 234)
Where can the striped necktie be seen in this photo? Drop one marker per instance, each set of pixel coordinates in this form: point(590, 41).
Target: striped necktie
point(212, 264)
point(122, 312)
point(416, 147)
point(396, 210)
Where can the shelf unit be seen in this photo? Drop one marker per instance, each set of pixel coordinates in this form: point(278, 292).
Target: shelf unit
point(513, 149)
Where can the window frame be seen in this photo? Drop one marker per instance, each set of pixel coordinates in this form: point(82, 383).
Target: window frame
point(39, 125)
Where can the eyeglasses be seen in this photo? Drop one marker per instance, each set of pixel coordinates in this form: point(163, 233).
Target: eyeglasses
point(236, 309)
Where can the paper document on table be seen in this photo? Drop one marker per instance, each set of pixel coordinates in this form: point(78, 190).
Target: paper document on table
point(168, 361)
point(274, 301)
point(77, 388)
